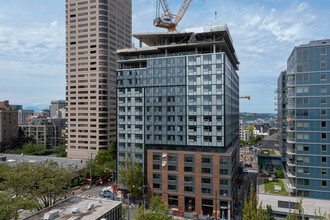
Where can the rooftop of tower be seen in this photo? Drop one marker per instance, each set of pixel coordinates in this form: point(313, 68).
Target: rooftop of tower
point(202, 37)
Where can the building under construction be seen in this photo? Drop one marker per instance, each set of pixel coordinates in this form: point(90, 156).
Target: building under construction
point(178, 116)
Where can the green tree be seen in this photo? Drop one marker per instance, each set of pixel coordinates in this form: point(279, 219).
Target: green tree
point(320, 216)
point(102, 165)
point(297, 213)
point(113, 149)
point(279, 174)
point(158, 211)
point(45, 183)
point(131, 177)
point(251, 129)
point(10, 204)
point(250, 210)
point(269, 213)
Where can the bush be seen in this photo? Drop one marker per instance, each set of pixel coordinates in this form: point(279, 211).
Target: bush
point(279, 174)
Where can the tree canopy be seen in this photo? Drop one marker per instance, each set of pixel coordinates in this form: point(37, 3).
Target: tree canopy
point(45, 183)
point(131, 177)
point(158, 211)
point(102, 164)
point(10, 204)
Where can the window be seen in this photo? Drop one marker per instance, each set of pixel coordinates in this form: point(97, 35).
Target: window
point(172, 177)
point(156, 167)
point(188, 159)
point(323, 101)
point(302, 159)
point(206, 160)
point(304, 182)
point(323, 51)
point(206, 180)
point(323, 124)
point(323, 89)
point(301, 147)
point(223, 182)
point(303, 170)
point(324, 172)
point(172, 158)
point(303, 89)
point(324, 183)
point(156, 186)
point(171, 168)
point(324, 148)
point(188, 189)
point(302, 136)
point(206, 170)
point(324, 160)
point(188, 169)
point(302, 112)
point(223, 192)
point(156, 176)
point(302, 124)
point(188, 179)
point(172, 187)
point(223, 160)
point(323, 112)
point(206, 191)
point(223, 172)
point(323, 77)
point(156, 157)
point(302, 101)
point(324, 136)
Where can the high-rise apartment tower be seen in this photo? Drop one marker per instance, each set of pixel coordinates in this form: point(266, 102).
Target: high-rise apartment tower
point(178, 116)
point(308, 114)
point(94, 30)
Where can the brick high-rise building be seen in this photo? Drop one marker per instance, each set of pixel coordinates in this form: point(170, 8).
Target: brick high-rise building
point(178, 116)
point(94, 30)
point(8, 122)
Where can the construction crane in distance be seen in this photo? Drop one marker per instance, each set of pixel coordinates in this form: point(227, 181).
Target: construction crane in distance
point(166, 19)
point(245, 97)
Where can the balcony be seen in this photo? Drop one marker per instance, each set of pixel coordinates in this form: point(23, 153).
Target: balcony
point(290, 151)
point(290, 186)
point(291, 174)
point(291, 163)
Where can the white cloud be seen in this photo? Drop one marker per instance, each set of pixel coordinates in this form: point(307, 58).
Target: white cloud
point(54, 23)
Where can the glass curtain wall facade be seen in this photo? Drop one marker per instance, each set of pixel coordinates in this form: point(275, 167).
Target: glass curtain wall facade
point(178, 116)
point(308, 133)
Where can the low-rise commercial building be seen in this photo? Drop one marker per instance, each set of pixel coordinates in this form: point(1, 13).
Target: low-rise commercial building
point(80, 208)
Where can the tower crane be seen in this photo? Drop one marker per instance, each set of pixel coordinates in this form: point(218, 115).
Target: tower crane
point(166, 19)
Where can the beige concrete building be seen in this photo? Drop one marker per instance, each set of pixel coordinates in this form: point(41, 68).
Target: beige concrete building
point(94, 30)
point(8, 122)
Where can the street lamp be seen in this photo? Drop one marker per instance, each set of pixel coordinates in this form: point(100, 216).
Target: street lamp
point(144, 200)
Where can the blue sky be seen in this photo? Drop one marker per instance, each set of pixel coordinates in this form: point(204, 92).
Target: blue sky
point(32, 42)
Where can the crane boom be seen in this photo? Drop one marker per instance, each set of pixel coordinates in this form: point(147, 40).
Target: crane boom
point(166, 19)
point(182, 11)
point(165, 9)
point(245, 97)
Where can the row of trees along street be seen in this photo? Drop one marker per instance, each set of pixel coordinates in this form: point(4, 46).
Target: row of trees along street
point(35, 186)
point(253, 210)
point(32, 186)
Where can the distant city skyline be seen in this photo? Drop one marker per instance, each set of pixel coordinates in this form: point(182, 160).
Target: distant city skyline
point(32, 38)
